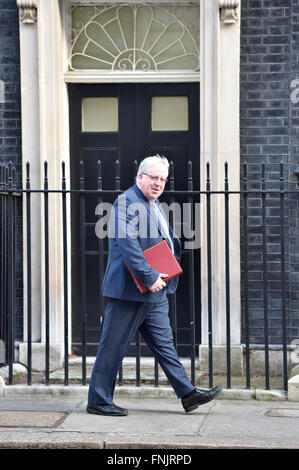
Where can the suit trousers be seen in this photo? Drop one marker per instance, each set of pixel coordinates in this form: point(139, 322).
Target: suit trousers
point(122, 320)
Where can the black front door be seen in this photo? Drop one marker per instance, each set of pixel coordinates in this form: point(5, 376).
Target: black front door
point(135, 121)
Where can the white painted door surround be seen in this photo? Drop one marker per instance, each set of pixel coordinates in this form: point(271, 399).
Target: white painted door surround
point(44, 42)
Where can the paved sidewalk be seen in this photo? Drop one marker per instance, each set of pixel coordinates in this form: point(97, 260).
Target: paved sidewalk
point(59, 420)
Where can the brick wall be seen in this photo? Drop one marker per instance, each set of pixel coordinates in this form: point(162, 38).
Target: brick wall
point(10, 121)
point(269, 63)
point(294, 160)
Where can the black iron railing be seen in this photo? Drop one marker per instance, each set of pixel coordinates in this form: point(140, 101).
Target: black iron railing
point(8, 196)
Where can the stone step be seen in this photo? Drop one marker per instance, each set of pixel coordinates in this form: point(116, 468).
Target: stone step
point(147, 372)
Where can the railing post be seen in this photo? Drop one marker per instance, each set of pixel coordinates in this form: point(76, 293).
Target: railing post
point(46, 222)
point(29, 293)
point(173, 302)
point(65, 276)
point(3, 264)
point(117, 188)
point(83, 270)
point(283, 281)
point(10, 275)
point(227, 277)
point(209, 270)
point(101, 244)
point(265, 278)
point(246, 299)
point(191, 278)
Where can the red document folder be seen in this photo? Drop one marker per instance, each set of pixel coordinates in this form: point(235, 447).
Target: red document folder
point(161, 258)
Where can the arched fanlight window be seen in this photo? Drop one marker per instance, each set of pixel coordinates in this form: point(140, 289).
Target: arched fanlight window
point(141, 37)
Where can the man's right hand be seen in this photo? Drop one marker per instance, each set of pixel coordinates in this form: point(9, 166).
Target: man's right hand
point(159, 284)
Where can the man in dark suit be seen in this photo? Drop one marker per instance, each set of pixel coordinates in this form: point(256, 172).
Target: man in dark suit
point(135, 225)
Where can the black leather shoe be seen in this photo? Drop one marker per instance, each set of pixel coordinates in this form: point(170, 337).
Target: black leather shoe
point(106, 410)
point(199, 397)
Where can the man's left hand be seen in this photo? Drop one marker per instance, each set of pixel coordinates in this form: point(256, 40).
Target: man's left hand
point(159, 284)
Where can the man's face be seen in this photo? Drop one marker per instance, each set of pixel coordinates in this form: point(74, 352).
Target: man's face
point(152, 182)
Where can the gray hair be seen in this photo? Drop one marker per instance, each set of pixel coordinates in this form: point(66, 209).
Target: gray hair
point(153, 160)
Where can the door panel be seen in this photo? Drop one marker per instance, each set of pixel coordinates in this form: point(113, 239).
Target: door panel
point(134, 140)
point(178, 146)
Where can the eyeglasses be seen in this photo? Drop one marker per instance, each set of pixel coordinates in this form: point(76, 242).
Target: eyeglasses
point(156, 178)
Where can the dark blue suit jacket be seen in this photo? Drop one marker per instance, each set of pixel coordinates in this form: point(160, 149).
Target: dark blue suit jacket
point(130, 232)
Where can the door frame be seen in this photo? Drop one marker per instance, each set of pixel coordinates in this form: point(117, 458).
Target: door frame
point(45, 137)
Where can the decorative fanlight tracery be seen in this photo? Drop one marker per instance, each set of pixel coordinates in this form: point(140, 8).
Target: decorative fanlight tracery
point(142, 37)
